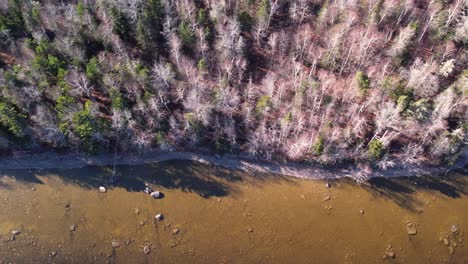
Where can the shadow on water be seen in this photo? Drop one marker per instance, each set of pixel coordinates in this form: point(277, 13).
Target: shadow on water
point(187, 176)
point(402, 190)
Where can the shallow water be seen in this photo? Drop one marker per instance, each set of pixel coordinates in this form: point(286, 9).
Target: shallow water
point(227, 217)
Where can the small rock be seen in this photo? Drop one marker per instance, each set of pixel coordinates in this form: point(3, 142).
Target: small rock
point(142, 223)
point(102, 189)
point(250, 230)
point(390, 254)
point(115, 244)
point(158, 217)
point(15, 232)
point(72, 228)
point(454, 229)
point(93, 244)
point(361, 212)
point(451, 250)
point(327, 198)
point(136, 211)
point(328, 185)
point(155, 194)
point(175, 231)
point(302, 197)
point(53, 253)
point(33, 188)
point(147, 250)
point(446, 241)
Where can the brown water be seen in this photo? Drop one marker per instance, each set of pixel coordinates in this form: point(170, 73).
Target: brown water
point(228, 217)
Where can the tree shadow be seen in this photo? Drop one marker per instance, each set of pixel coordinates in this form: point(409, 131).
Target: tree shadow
point(187, 176)
point(402, 190)
point(393, 190)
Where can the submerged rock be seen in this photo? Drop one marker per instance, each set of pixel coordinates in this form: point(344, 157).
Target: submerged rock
point(411, 229)
point(454, 229)
point(446, 241)
point(147, 250)
point(389, 253)
point(451, 250)
point(102, 189)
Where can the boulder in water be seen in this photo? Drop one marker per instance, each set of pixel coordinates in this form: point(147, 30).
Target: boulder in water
point(159, 217)
point(155, 194)
point(147, 190)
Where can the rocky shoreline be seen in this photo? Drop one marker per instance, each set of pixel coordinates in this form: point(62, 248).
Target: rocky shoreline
point(48, 160)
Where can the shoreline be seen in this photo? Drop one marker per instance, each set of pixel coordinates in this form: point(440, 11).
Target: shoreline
point(53, 160)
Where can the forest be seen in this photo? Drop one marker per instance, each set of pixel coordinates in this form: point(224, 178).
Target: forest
point(382, 82)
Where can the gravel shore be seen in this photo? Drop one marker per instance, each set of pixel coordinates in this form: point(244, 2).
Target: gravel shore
point(47, 160)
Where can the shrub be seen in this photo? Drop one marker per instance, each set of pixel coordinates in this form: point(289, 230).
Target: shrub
point(201, 16)
point(121, 26)
point(11, 119)
point(263, 104)
point(363, 82)
point(92, 70)
point(46, 61)
point(85, 126)
point(201, 65)
point(13, 21)
point(80, 9)
point(319, 145)
point(36, 15)
point(376, 149)
point(263, 9)
point(246, 21)
point(187, 36)
point(288, 118)
point(420, 110)
point(403, 102)
point(117, 99)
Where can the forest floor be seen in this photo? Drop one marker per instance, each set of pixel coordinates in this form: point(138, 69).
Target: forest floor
point(47, 160)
